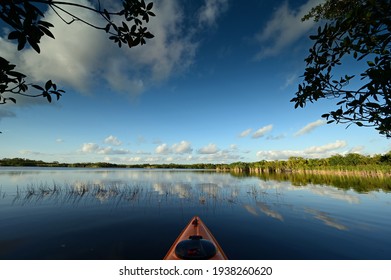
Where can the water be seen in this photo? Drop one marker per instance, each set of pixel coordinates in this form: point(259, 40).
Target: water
point(137, 214)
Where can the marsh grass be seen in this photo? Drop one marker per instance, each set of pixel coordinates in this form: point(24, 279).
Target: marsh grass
point(74, 193)
point(118, 194)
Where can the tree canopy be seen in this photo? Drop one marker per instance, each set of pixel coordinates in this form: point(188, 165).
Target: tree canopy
point(25, 20)
point(359, 30)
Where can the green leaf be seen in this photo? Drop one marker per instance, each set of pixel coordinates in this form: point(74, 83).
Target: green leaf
point(106, 14)
point(12, 99)
point(16, 74)
point(126, 27)
point(45, 23)
point(47, 32)
point(14, 35)
point(107, 28)
point(21, 42)
point(148, 35)
point(38, 87)
point(48, 85)
point(34, 44)
point(341, 102)
point(48, 97)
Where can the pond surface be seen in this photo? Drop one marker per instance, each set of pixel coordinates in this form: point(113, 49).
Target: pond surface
point(118, 214)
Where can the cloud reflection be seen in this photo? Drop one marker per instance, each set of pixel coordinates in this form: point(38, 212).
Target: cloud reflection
point(269, 212)
point(251, 209)
point(326, 219)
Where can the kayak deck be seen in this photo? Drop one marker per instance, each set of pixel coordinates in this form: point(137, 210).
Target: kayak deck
point(196, 242)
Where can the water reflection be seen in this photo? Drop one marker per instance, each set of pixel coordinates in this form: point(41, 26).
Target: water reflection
point(326, 219)
point(269, 212)
point(360, 184)
point(76, 204)
point(251, 209)
point(199, 187)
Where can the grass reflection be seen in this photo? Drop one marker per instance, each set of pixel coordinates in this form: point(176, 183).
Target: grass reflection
point(360, 184)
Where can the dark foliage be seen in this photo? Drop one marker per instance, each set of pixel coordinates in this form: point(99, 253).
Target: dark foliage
point(25, 18)
point(359, 30)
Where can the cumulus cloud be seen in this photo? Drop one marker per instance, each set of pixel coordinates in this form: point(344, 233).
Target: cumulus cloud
point(284, 28)
point(89, 148)
point(208, 149)
point(93, 148)
point(310, 127)
point(310, 152)
point(210, 11)
point(113, 141)
point(245, 133)
point(183, 147)
point(326, 148)
point(80, 56)
point(262, 131)
point(162, 149)
point(356, 150)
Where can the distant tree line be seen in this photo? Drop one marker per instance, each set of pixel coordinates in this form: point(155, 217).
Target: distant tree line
point(351, 161)
point(40, 163)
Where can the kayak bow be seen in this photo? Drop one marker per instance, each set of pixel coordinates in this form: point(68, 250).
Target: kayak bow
point(195, 242)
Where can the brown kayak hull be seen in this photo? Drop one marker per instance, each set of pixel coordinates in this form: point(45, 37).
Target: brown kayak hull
point(196, 228)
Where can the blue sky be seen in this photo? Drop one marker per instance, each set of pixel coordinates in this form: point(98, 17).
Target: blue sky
point(213, 86)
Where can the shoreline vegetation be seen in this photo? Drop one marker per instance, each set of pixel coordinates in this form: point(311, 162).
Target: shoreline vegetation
point(349, 164)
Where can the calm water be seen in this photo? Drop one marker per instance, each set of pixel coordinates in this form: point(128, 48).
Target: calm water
point(137, 214)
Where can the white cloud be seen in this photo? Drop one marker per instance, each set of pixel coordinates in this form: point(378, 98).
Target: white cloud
point(233, 147)
point(111, 151)
point(356, 150)
point(183, 147)
point(310, 127)
point(290, 79)
point(89, 148)
point(162, 149)
point(284, 28)
point(219, 157)
point(262, 131)
point(276, 137)
point(326, 148)
point(113, 140)
point(310, 152)
point(81, 57)
point(93, 148)
point(31, 153)
point(245, 133)
point(210, 11)
point(209, 149)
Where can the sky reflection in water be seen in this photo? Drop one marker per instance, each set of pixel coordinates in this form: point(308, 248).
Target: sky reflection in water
point(137, 214)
